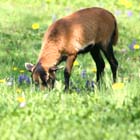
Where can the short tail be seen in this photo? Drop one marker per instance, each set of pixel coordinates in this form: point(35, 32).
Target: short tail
point(115, 34)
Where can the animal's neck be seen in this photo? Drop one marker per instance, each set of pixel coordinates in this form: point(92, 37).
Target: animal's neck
point(49, 57)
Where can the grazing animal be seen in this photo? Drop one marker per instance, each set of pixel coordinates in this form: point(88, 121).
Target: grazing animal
point(87, 30)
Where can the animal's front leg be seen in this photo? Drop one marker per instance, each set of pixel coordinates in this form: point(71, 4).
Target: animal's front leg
point(67, 71)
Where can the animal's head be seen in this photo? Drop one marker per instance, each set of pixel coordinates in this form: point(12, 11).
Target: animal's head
point(40, 76)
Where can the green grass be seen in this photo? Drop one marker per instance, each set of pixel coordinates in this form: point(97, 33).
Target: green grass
point(85, 113)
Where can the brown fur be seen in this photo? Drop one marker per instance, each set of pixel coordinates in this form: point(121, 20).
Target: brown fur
point(82, 27)
point(74, 33)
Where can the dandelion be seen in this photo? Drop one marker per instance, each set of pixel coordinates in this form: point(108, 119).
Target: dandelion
point(128, 4)
point(2, 80)
point(20, 99)
point(48, 1)
point(18, 90)
point(94, 70)
point(15, 68)
point(117, 86)
point(76, 63)
point(35, 26)
point(22, 102)
point(22, 71)
point(125, 3)
point(136, 47)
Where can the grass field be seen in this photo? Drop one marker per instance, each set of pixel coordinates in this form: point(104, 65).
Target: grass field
point(109, 113)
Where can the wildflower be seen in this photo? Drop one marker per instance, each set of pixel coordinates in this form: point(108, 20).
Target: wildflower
point(48, 1)
point(126, 79)
point(18, 90)
point(83, 73)
point(23, 79)
point(2, 80)
point(129, 13)
point(76, 63)
point(20, 99)
point(23, 104)
point(35, 26)
point(94, 70)
point(22, 71)
point(10, 81)
point(131, 46)
point(15, 68)
point(125, 3)
point(87, 84)
point(92, 84)
point(118, 86)
point(136, 47)
point(128, 4)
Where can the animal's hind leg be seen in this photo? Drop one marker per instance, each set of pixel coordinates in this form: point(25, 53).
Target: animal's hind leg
point(112, 60)
point(100, 64)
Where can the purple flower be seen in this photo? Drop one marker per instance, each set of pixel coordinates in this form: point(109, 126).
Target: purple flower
point(131, 46)
point(92, 84)
point(23, 79)
point(83, 73)
point(129, 13)
point(87, 84)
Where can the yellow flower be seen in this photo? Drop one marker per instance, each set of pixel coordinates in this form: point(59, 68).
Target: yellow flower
point(118, 85)
point(128, 4)
point(76, 63)
point(94, 70)
point(22, 71)
point(15, 68)
point(35, 26)
point(125, 3)
point(48, 1)
point(2, 80)
point(136, 47)
point(21, 99)
point(18, 90)
point(126, 78)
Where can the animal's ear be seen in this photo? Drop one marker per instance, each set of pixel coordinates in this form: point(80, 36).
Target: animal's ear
point(29, 67)
point(55, 68)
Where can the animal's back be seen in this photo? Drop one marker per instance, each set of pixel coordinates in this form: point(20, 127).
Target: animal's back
point(84, 27)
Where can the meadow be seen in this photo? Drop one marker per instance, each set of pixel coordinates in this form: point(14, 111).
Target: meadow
point(87, 112)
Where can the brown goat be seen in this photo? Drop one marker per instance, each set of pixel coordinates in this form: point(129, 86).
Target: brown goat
point(87, 30)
